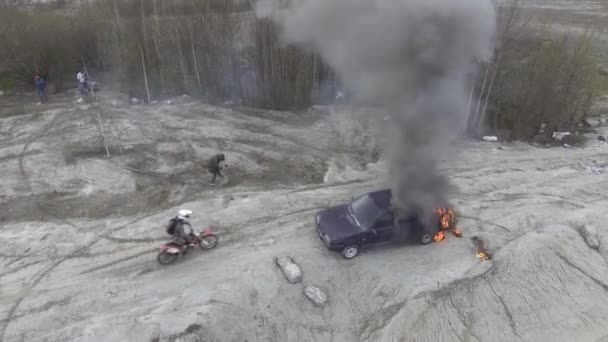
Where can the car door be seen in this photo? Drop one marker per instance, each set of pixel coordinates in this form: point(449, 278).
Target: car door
point(384, 229)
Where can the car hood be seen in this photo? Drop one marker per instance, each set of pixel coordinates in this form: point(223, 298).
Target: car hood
point(335, 223)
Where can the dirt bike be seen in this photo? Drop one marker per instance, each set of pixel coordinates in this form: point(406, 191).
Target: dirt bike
point(170, 251)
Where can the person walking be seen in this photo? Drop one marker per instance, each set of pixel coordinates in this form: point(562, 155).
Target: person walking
point(83, 86)
point(40, 84)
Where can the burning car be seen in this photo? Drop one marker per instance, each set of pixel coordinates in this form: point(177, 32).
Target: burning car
point(369, 220)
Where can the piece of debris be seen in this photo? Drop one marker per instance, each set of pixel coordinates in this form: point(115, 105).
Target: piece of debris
point(339, 95)
point(589, 234)
point(80, 100)
point(135, 100)
point(490, 138)
point(292, 272)
point(315, 294)
point(1, 92)
point(154, 102)
point(559, 136)
point(567, 145)
point(603, 121)
point(480, 251)
point(591, 122)
point(602, 138)
point(169, 102)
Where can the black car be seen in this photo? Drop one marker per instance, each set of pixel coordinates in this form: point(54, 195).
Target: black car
point(367, 220)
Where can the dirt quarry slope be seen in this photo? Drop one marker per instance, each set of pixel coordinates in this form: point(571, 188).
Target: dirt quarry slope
point(80, 232)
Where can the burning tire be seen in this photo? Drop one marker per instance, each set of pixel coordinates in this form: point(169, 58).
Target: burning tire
point(165, 258)
point(350, 251)
point(208, 242)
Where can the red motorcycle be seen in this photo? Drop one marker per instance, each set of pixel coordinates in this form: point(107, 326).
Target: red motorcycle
point(170, 251)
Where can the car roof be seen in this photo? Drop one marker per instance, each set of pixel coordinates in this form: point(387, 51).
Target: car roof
point(382, 198)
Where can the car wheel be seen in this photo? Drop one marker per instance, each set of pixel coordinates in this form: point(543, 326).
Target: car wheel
point(426, 238)
point(350, 251)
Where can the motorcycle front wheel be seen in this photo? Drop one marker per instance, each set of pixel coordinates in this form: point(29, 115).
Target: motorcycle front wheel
point(165, 258)
point(208, 242)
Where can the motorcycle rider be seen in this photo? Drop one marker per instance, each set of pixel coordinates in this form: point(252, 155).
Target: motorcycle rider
point(176, 228)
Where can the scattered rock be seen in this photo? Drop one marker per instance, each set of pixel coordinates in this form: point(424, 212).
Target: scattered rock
point(559, 136)
point(80, 100)
point(591, 122)
point(135, 100)
point(589, 233)
point(315, 294)
point(596, 170)
point(292, 272)
point(490, 138)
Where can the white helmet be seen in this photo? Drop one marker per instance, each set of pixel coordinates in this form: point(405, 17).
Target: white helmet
point(184, 214)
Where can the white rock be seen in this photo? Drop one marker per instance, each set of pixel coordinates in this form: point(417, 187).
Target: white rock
point(315, 294)
point(603, 121)
point(339, 95)
point(292, 272)
point(1, 92)
point(114, 103)
point(135, 100)
point(169, 102)
point(490, 138)
point(80, 100)
point(559, 136)
point(591, 122)
point(589, 233)
point(567, 145)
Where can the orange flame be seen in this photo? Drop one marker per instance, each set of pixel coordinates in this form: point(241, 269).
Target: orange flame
point(439, 236)
point(483, 255)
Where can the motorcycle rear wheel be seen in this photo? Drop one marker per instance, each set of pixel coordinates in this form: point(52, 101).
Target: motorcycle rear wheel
point(208, 242)
point(166, 258)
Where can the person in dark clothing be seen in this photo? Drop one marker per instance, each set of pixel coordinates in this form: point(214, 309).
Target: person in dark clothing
point(40, 88)
point(215, 165)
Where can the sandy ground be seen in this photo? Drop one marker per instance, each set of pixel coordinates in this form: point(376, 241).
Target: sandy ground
point(80, 233)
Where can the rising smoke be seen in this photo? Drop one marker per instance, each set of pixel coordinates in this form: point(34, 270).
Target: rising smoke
point(413, 57)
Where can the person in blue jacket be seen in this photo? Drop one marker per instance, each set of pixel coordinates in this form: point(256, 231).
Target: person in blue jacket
point(40, 84)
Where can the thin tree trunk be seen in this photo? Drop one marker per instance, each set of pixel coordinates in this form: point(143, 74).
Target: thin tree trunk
point(482, 117)
point(117, 15)
point(483, 88)
point(195, 60)
point(97, 111)
point(181, 59)
point(157, 44)
point(143, 66)
point(143, 23)
point(471, 100)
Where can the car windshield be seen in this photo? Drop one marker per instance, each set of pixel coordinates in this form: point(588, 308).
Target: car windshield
point(364, 211)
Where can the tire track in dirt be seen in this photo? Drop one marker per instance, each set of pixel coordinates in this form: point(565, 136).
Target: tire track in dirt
point(27, 290)
point(37, 136)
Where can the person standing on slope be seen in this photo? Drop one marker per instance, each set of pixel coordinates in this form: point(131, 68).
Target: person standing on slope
point(40, 84)
point(214, 166)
